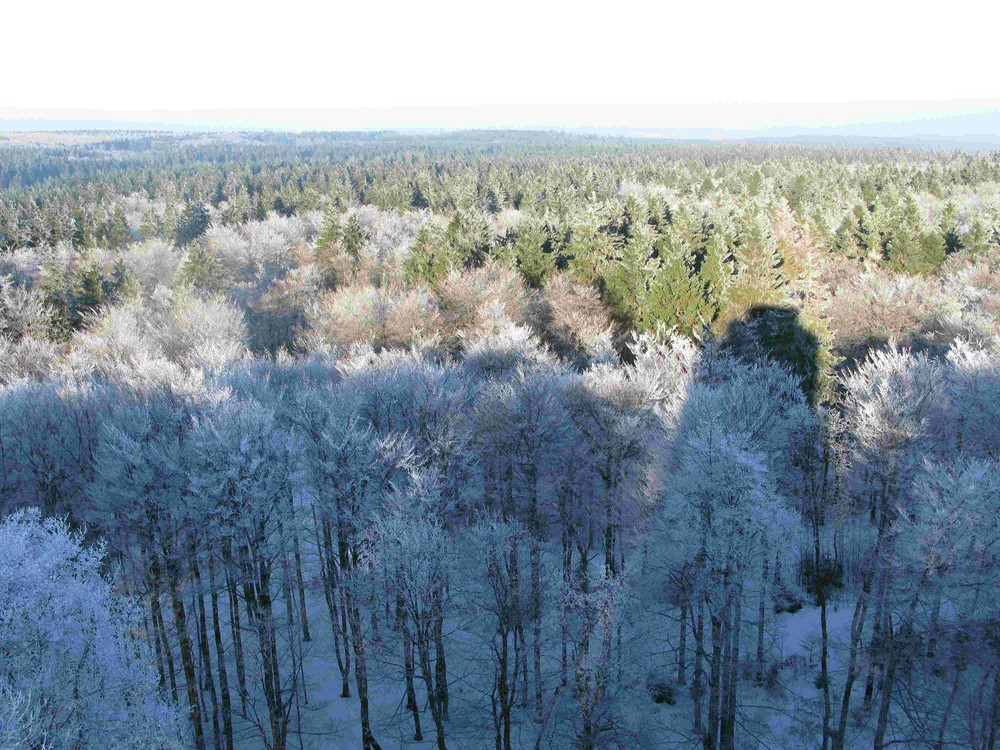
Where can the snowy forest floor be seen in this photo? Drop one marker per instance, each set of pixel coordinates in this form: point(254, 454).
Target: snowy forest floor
point(782, 715)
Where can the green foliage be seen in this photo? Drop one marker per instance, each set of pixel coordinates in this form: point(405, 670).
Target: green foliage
point(88, 290)
point(676, 297)
point(430, 259)
point(916, 254)
point(55, 288)
point(758, 264)
point(200, 270)
point(533, 261)
point(193, 224)
point(353, 237)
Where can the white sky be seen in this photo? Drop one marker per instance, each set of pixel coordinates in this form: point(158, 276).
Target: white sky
point(446, 63)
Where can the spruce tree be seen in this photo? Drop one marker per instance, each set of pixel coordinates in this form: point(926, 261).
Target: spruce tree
point(354, 237)
point(200, 270)
point(193, 225)
point(54, 287)
point(675, 293)
point(949, 228)
point(148, 227)
point(716, 276)
point(88, 290)
point(533, 262)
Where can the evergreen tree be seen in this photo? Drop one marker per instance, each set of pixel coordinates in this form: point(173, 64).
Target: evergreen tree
point(200, 270)
point(716, 276)
point(170, 221)
point(949, 228)
point(148, 227)
point(54, 287)
point(88, 290)
point(675, 294)
point(193, 225)
point(758, 264)
point(122, 285)
point(430, 259)
point(532, 260)
point(976, 241)
point(354, 237)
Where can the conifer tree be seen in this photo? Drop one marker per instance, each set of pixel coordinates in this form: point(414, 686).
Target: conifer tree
point(88, 290)
point(675, 294)
point(533, 261)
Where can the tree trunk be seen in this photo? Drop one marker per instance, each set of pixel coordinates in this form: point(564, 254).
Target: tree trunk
point(187, 658)
point(300, 581)
point(857, 631)
point(761, 619)
point(206, 654)
point(728, 735)
point(368, 740)
point(227, 713)
point(682, 645)
point(423, 649)
point(536, 623)
point(440, 662)
point(699, 668)
point(714, 685)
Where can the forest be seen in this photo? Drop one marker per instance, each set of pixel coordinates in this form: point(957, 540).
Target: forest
point(497, 439)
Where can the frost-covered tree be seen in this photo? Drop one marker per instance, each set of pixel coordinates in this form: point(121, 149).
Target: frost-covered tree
point(74, 674)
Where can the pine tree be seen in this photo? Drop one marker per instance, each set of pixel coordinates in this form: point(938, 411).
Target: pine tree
point(758, 265)
point(976, 241)
point(148, 227)
point(331, 232)
point(170, 221)
point(122, 285)
point(675, 294)
point(88, 290)
point(200, 270)
point(533, 262)
point(83, 236)
point(354, 237)
point(716, 276)
point(949, 228)
point(429, 259)
point(54, 287)
point(193, 225)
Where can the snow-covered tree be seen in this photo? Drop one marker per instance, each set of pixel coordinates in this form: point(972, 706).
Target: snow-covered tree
point(73, 673)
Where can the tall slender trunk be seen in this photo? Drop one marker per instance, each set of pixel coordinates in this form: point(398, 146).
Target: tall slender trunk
point(727, 649)
point(877, 645)
point(237, 633)
point(567, 566)
point(159, 627)
point(368, 740)
point(331, 593)
point(206, 654)
point(699, 668)
point(682, 645)
point(896, 644)
point(424, 636)
point(824, 631)
point(728, 735)
point(949, 706)
point(761, 619)
point(536, 622)
point(187, 657)
point(714, 685)
point(408, 668)
point(857, 631)
point(440, 661)
point(153, 634)
point(299, 579)
point(227, 712)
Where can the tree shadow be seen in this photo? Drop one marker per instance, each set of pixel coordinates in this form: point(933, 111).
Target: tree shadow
point(778, 333)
